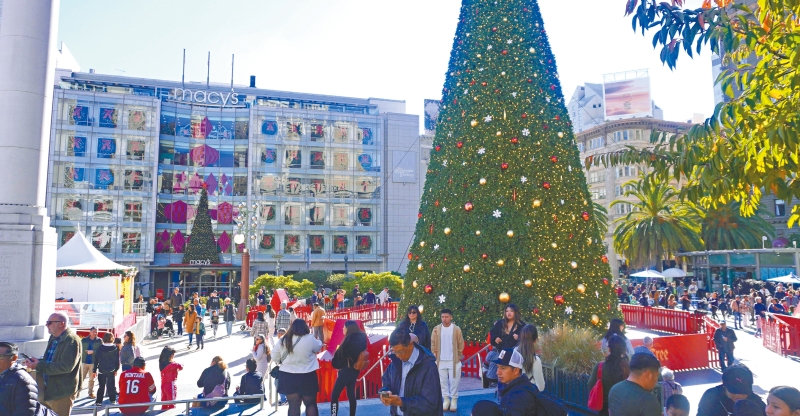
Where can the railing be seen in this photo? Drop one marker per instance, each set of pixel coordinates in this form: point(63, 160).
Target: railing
point(711, 326)
point(373, 313)
point(188, 403)
point(472, 366)
point(781, 334)
point(88, 314)
point(370, 383)
point(665, 320)
point(140, 308)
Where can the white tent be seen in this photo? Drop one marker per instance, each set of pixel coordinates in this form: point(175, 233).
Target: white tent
point(648, 274)
point(788, 279)
point(86, 275)
point(674, 272)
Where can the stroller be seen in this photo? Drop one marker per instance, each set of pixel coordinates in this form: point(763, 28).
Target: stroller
point(165, 328)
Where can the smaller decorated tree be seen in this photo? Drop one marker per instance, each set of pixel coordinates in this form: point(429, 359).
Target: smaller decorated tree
point(202, 247)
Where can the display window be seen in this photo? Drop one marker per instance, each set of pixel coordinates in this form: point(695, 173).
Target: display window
point(101, 239)
point(291, 244)
point(341, 132)
point(316, 186)
point(108, 116)
point(317, 159)
point(133, 210)
point(342, 186)
point(106, 147)
point(318, 131)
point(292, 214)
point(341, 160)
point(293, 158)
point(316, 214)
point(316, 243)
point(267, 184)
point(138, 118)
point(103, 209)
point(131, 241)
point(367, 187)
point(364, 244)
point(340, 244)
point(341, 215)
point(136, 148)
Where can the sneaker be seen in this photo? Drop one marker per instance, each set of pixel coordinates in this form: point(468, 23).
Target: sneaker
point(114, 402)
point(98, 404)
point(283, 403)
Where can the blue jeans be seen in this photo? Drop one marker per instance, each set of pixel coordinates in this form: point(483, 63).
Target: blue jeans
point(229, 326)
point(281, 396)
point(722, 356)
point(191, 335)
point(737, 319)
point(180, 327)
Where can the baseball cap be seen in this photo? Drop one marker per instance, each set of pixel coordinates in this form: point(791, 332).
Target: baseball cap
point(738, 379)
point(138, 362)
point(94, 328)
point(509, 357)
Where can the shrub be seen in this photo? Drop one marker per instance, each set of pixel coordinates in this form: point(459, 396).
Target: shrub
point(318, 277)
point(301, 289)
point(376, 281)
point(576, 350)
point(335, 281)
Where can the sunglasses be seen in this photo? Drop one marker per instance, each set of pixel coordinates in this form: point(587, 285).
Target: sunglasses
point(48, 323)
point(412, 313)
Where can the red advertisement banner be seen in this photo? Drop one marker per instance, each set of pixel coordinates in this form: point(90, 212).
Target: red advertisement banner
point(680, 352)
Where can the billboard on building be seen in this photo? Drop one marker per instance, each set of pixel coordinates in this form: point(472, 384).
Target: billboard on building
point(405, 166)
point(431, 115)
point(627, 94)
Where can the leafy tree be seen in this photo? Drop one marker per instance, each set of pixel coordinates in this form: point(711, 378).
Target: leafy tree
point(318, 277)
point(376, 281)
point(301, 289)
point(658, 225)
point(202, 246)
point(750, 144)
point(505, 198)
point(723, 228)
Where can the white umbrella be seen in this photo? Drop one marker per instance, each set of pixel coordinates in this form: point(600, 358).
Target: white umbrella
point(790, 278)
point(674, 272)
point(648, 274)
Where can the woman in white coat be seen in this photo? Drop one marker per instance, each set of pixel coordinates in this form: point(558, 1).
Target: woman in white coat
point(261, 354)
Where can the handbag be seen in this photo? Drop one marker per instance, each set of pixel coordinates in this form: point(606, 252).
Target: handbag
point(362, 362)
point(596, 394)
point(276, 370)
point(219, 391)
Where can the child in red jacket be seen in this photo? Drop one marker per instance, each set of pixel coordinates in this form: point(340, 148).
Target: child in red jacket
point(169, 376)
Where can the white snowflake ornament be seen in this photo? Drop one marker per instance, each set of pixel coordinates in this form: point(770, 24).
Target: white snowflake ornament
point(444, 209)
point(568, 310)
point(514, 94)
point(482, 150)
point(526, 132)
point(597, 294)
point(436, 247)
point(488, 118)
point(488, 48)
point(523, 179)
point(442, 298)
point(497, 213)
point(509, 41)
point(444, 162)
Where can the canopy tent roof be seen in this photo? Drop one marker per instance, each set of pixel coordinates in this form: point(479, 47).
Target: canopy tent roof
point(78, 257)
point(790, 278)
point(648, 273)
point(674, 272)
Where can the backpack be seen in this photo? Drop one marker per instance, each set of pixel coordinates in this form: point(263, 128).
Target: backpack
point(596, 394)
point(362, 362)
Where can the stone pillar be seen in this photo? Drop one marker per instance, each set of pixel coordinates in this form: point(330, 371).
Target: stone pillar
point(27, 242)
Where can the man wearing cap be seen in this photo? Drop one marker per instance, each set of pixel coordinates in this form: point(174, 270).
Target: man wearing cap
point(519, 394)
point(89, 345)
point(136, 386)
point(18, 390)
point(724, 338)
point(737, 384)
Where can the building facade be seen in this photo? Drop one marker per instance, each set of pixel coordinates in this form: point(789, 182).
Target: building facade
point(310, 178)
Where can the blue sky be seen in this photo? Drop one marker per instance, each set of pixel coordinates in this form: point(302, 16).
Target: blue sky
point(359, 48)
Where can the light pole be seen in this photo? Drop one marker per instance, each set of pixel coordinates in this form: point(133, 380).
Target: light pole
point(277, 258)
point(246, 225)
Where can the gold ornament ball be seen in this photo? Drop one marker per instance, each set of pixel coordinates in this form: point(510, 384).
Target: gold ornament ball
point(447, 231)
point(422, 244)
point(595, 319)
point(414, 284)
point(421, 308)
point(573, 264)
point(510, 233)
point(501, 262)
point(419, 266)
point(503, 73)
point(504, 297)
point(560, 135)
point(478, 232)
point(466, 268)
point(499, 133)
point(528, 283)
point(473, 123)
point(554, 245)
point(581, 288)
point(537, 203)
point(482, 181)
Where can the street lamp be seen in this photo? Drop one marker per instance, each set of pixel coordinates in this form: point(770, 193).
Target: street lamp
point(763, 241)
point(246, 225)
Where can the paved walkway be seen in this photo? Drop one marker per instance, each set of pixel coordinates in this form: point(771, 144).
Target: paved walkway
point(770, 370)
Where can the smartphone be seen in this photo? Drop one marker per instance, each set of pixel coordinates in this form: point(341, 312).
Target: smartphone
point(385, 393)
point(24, 356)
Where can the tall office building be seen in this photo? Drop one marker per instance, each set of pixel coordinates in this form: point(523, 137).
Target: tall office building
point(317, 182)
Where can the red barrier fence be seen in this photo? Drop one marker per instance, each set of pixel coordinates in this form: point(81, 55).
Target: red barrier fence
point(710, 326)
point(781, 334)
point(472, 367)
point(326, 375)
point(665, 320)
point(366, 313)
point(680, 352)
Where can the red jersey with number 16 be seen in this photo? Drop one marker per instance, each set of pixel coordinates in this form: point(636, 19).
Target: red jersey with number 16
point(135, 386)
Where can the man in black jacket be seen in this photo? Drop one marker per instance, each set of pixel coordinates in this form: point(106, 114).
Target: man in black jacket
point(18, 390)
point(724, 338)
point(412, 379)
point(519, 395)
point(737, 385)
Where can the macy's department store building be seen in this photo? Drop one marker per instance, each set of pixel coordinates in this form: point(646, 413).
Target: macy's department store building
point(327, 183)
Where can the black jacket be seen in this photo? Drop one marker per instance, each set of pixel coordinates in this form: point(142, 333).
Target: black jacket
point(349, 350)
point(724, 345)
point(177, 315)
point(18, 392)
point(213, 303)
point(519, 398)
point(230, 313)
point(106, 359)
point(213, 376)
point(422, 395)
point(715, 401)
point(252, 383)
point(421, 331)
point(508, 340)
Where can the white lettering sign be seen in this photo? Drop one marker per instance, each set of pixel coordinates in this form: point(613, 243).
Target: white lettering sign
point(200, 262)
point(205, 97)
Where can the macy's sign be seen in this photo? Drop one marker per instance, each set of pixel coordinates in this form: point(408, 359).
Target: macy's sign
point(205, 97)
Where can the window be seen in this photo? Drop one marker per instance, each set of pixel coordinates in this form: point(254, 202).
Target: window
point(316, 214)
point(580, 147)
point(621, 209)
point(316, 243)
point(780, 208)
point(626, 171)
point(602, 193)
point(596, 143)
point(133, 211)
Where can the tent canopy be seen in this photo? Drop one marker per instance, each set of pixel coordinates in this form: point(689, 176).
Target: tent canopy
point(791, 278)
point(648, 273)
point(674, 272)
point(78, 254)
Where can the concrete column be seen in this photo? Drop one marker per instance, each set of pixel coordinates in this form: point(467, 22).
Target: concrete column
point(27, 242)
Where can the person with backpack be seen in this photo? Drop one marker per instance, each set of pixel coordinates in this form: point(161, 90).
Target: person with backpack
point(605, 374)
point(519, 395)
point(447, 345)
point(350, 358)
point(106, 365)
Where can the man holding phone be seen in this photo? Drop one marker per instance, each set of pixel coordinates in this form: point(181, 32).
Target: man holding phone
point(411, 382)
point(18, 390)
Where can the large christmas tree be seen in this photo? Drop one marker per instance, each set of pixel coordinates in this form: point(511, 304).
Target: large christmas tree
point(506, 214)
point(202, 247)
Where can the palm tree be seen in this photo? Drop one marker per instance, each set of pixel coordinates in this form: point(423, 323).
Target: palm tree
point(600, 218)
point(658, 226)
point(723, 228)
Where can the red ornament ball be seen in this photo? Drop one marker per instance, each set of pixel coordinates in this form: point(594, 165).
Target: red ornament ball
point(468, 206)
point(530, 80)
point(514, 140)
point(460, 145)
point(428, 289)
point(553, 87)
point(436, 203)
point(438, 147)
point(484, 83)
point(585, 216)
point(505, 52)
point(554, 159)
point(410, 256)
point(524, 115)
point(494, 29)
point(504, 166)
point(484, 256)
point(559, 299)
point(605, 281)
point(535, 311)
point(604, 258)
point(546, 185)
point(558, 117)
point(419, 215)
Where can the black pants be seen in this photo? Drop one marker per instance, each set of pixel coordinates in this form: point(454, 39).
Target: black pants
point(346, 379)
point(107, 385)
